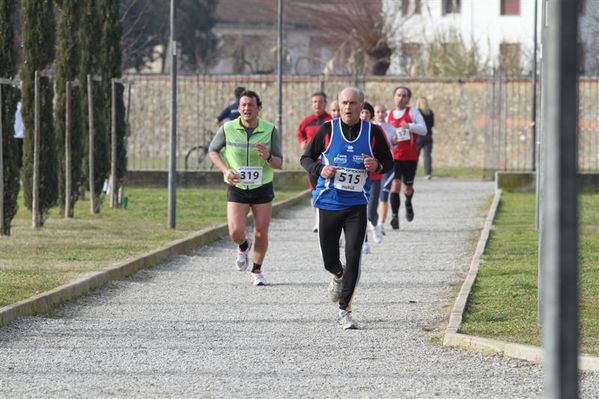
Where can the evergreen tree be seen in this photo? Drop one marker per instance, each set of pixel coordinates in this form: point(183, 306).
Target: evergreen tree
point(37, 32)
point(111, 68)
point(91, 47)
point(67, 68)
point(8, 107)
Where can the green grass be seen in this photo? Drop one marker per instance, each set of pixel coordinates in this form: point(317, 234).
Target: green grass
point(34, 261)
point(503, 303)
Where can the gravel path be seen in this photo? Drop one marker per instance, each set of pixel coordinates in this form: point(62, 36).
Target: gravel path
point(194, 327)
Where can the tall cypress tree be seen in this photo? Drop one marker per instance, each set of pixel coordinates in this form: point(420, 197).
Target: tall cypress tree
point(8, 107)
point(111, 68)
point(37, 31)
point(91, 47)
point(67, 68)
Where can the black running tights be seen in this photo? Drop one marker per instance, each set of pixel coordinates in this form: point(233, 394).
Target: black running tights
point(352, 221)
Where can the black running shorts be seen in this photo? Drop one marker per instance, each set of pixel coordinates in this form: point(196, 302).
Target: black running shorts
point(260, 195)
point(405, 171)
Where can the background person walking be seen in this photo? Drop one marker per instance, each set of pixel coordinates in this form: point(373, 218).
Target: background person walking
point(426, 142)
point(251, 150)
point(350, 148)
point(231, 111)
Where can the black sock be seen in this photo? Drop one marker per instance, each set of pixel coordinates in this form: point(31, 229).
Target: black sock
point(244, 246)
point(256, 268)
point(409, 198)
point(395, 202)
point(339, 274)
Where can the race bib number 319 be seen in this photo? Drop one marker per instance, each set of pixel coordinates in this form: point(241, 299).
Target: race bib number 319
point(349, 179)
point(250, 175)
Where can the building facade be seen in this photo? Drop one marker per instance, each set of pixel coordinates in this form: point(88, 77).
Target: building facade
point(501, 31)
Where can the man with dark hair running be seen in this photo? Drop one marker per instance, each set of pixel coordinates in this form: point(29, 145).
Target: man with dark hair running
point(308, 127)
point(349, 148)
point(251, 150)
point(406, 122)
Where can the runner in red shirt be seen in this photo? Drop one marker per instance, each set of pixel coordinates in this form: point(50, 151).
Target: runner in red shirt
point(407, 122)
point(309, 126)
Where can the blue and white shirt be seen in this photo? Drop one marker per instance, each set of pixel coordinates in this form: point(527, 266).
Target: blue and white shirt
point(350, 186)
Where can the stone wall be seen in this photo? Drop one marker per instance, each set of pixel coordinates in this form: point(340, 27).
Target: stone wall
point(479, 123)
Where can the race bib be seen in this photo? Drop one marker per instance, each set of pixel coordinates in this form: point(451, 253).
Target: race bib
point(349, 179)
point(402, 134)
point(250, 175)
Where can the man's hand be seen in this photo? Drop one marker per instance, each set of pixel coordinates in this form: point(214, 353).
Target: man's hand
point(264, 154)
point(232, 177)
point(328, 171)
point(370, 163)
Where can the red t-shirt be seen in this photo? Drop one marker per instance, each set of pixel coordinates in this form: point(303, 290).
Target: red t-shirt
point(405, 150)
point(310, 125)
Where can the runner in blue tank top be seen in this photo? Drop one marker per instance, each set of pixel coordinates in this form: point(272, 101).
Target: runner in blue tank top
point(349, 148)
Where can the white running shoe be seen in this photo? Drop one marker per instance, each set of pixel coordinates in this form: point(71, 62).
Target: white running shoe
point(335, 288)
point(242, 262)
point(258, 278)
point(371, 226)
point(378, 233)
point(345, 320)
point(365, 248)
point(382, 228)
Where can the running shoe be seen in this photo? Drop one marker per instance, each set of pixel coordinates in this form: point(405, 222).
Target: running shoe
point(365, 248)
point(258, 278)
point(335, 287)
point(378, 233)
point(345, 320)
point(427, 177)
point(395, 222)
point(382, 228)
point(409, 212)
point(315, 229)
point(242, 261)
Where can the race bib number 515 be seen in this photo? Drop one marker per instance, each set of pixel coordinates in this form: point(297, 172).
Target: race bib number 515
point(250, 175)
point(349, 179)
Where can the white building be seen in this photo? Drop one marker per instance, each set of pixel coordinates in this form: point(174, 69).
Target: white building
point(501, 30)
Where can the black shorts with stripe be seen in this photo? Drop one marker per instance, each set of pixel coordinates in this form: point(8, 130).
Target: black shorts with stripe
point(260, 195)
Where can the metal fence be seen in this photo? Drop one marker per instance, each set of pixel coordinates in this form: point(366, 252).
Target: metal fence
point(508, 129)
point(482, 123)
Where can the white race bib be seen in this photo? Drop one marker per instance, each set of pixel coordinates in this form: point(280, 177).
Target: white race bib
point(402, 134)
point(349, 179)
point(250, 175)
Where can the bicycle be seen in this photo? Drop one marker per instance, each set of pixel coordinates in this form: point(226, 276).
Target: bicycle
point(202, 152)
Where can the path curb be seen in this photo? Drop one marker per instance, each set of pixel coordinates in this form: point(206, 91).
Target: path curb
point(452, 336)
point(46, 301)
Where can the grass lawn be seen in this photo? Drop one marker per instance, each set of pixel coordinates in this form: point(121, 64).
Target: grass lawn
point(33, 261)
point(503, 303)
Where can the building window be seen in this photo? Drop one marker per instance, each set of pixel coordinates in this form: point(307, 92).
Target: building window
point(405, 7)
point(451, 6)
point(510, 7)
point(509, 58)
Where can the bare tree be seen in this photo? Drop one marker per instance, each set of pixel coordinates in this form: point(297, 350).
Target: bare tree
point(366, 34)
